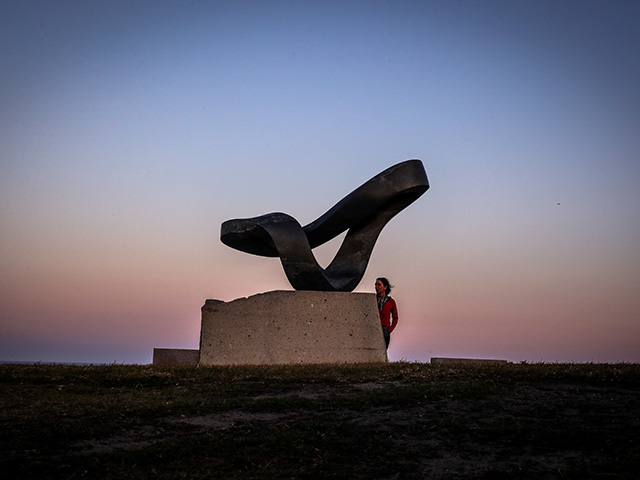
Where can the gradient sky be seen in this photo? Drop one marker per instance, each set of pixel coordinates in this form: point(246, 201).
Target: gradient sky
point(130, 130)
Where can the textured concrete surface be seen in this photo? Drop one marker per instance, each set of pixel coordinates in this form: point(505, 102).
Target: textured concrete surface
point(289, 327)
point(175, 356)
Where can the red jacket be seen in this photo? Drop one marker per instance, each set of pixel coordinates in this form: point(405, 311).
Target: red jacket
point(388, 310)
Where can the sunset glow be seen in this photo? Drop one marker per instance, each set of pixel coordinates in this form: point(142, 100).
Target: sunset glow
point(131, 130)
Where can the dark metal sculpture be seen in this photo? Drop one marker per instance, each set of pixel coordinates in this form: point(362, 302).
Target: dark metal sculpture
point(364, 213)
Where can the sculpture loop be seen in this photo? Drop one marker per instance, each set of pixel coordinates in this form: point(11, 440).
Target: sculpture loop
point(364, 213)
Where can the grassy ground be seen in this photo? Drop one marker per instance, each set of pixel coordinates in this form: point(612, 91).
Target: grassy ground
point(385, 421)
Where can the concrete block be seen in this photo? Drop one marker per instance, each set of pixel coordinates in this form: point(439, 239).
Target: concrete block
point(175, 356)
point(465, 361)
point(292, 327)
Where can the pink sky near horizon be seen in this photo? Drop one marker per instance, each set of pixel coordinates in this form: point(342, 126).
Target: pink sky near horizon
point(130, 132)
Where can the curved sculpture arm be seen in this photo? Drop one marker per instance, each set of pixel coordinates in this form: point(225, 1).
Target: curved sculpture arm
point(364, 213)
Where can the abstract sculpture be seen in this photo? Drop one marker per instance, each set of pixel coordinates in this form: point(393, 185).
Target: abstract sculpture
point(364, 213)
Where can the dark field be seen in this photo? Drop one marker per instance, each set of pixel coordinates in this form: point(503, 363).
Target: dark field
point(385, 421)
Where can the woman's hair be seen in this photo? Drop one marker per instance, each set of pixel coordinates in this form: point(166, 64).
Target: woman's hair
point(386, 284)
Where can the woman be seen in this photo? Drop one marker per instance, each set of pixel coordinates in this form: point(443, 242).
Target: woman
point(387, 308)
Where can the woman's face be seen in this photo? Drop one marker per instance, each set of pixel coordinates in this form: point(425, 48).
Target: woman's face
point(380, 288)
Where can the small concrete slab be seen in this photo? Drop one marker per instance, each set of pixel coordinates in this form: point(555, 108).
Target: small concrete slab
point(175, 356)
point(465, 361)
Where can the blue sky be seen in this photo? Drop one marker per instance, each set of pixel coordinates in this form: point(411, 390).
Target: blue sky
point(129, 131)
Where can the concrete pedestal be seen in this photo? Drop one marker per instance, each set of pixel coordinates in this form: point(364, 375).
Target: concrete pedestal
point(292, 327)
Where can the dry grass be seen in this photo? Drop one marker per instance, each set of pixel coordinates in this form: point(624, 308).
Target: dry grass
point(397, 420)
